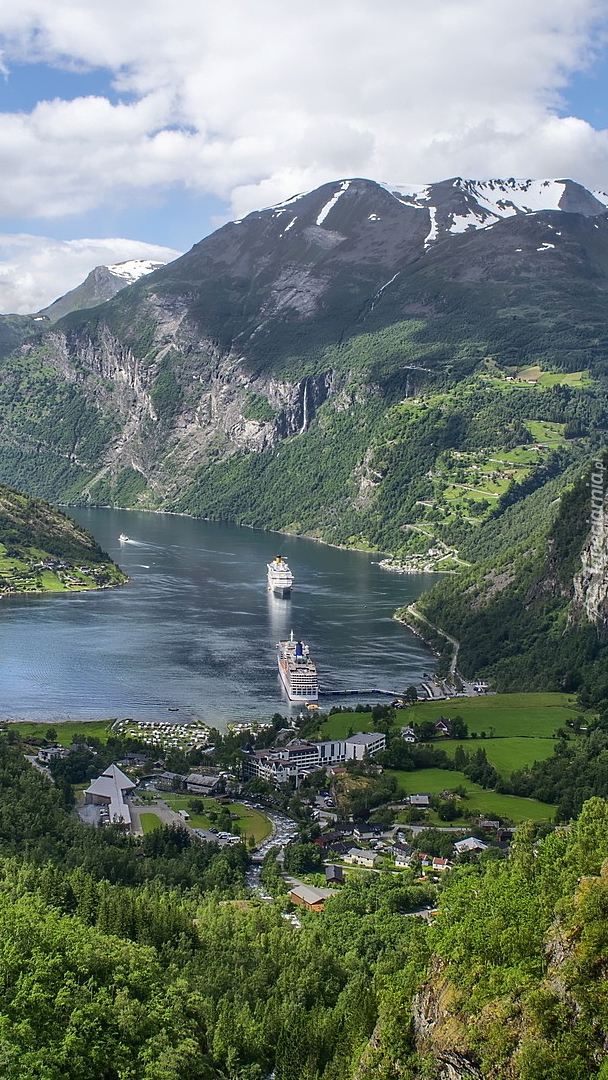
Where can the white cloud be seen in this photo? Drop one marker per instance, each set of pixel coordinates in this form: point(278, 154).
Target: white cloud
point(252, 102)
point(35, 270)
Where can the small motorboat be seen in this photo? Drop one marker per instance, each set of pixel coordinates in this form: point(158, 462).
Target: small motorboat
point(123, 539)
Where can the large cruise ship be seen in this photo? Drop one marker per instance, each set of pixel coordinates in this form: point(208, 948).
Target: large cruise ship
point(280, 577)
point(297, 671)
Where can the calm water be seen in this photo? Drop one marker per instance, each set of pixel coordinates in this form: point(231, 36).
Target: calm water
point(196, 629)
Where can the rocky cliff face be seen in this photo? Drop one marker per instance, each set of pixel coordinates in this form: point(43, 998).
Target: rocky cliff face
point(217, 411)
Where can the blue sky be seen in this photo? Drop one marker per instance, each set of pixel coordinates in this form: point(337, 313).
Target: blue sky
point(142, 127)
point(586, 94)
point(174, 218)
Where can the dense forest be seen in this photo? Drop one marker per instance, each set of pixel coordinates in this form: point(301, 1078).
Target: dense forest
point(145, 959)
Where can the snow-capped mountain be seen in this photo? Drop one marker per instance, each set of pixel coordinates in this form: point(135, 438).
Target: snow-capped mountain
point(354, 292)
point(458, 205)
point(102, 284)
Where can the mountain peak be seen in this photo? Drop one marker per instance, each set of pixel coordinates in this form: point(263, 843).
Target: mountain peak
point(103, 283)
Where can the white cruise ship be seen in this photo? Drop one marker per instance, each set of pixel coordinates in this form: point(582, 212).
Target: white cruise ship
point(297, 671)
point(280, 577)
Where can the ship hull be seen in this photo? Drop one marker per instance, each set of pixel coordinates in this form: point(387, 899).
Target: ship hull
point(283, 591)
point(280, 578)
point(298, 675)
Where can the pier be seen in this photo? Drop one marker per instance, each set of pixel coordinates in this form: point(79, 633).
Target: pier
point(372, 690)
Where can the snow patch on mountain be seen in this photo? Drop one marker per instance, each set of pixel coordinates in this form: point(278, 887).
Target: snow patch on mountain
point(507, 197)
point(134, 269)
point(433, 231)
point(344, 186)
point(456, 205)
point(466, 222)
point(409, 193)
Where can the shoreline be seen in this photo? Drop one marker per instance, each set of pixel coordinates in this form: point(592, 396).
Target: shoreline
point(63, 592)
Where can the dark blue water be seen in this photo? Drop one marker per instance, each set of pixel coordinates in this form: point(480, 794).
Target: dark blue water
point(196, 629)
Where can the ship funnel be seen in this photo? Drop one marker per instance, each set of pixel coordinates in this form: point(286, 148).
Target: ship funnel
point(299, 649)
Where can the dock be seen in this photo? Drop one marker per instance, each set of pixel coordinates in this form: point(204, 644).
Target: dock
point(369, 690)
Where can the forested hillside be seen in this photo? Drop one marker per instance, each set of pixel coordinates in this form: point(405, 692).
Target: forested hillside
point(532, 613)
point(145, 959)
point(378, 368)
point(41, 549)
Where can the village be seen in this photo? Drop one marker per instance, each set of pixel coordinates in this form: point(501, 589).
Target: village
point(282, 805)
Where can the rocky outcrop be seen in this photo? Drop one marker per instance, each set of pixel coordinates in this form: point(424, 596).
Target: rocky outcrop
point(437, 1036)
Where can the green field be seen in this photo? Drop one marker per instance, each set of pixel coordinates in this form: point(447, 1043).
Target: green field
point(340, 724)
point(554, 378)
point(525, 716)
point(251, 822)
point(480, 801)
point(506, 755)
point(546, 433)
point(149, 822)
point(96, 729)
point(535, 716)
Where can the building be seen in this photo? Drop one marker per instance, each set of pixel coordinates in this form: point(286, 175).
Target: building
point(46, 754)
point(110, 790)
point(421, 799)
point(409, 735)
point(170, 781)
point(359, 857)
point(309, 897)
point(134, 760)
point(197, 784)
point(470, 843)
point(439, 865)
point(357, 746)
point(403, 860)
point(366, 833)
point(334, 875)
point(297, 758)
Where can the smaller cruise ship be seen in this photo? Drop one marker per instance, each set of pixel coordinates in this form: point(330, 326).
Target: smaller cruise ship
point(297, 671)
point(280, 577)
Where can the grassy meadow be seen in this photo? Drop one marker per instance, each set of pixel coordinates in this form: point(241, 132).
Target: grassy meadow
point(535, 716)
point(488, 803)
point(65, 729)
point(518, 729)
point(506, 755)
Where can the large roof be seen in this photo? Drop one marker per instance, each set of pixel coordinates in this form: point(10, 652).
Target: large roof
point(112, 785)
point(310, 895)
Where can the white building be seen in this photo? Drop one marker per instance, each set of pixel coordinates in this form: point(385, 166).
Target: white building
point(298, 758)
point(109, 790)
point(359, 857)
point(470, 843)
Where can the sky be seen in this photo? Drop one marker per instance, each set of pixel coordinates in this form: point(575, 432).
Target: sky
point(132, 130)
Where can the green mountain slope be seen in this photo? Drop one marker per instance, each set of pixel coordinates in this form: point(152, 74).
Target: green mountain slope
point(533, 615)
point(42, 549)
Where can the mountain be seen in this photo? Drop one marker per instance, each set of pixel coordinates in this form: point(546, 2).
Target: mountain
point(102, 284)
point(385, 367)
